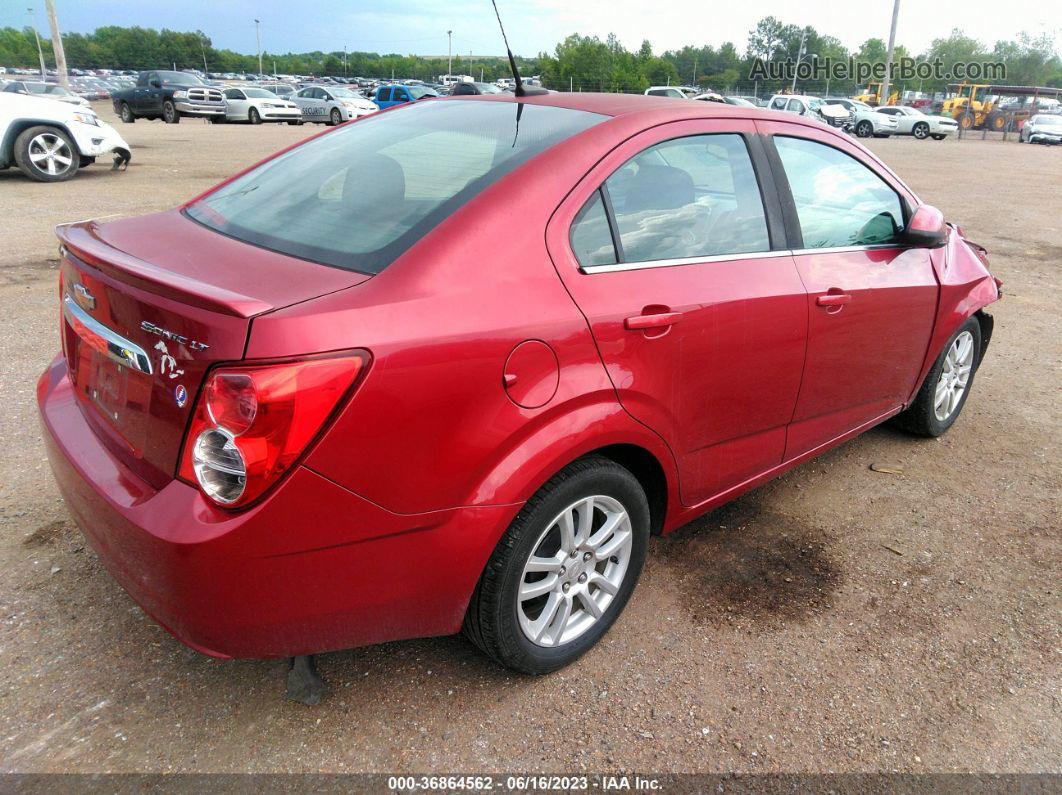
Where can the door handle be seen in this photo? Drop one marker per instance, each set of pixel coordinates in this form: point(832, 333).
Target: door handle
point(833, 299)
point(658, 320)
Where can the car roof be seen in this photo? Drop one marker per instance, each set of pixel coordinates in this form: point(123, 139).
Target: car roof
point(619, 105)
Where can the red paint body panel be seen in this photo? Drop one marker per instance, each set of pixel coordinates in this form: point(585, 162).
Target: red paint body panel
point(495, 362)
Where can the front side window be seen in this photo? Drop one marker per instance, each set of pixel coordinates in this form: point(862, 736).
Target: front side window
point(360, 196)
point(686, 198)
point(384, 95)
point(839, 201)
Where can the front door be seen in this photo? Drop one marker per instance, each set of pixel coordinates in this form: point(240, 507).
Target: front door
point(695, 303)
point(871, 298)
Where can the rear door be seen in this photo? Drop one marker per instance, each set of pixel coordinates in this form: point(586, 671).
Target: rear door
point(871, 298)
point(675, 253)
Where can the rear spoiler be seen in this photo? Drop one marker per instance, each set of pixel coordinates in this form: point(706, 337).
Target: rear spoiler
point(82, 240)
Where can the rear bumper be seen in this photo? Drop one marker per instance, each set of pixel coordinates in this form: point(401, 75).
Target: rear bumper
point(312, 568)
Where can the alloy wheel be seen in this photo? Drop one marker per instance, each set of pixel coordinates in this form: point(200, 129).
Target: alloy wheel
point(954, 376)
point(50, 154)
point(575, 570)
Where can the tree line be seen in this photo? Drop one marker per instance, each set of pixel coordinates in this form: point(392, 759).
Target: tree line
point(580, 63)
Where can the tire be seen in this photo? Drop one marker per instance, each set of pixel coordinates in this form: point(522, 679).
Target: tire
point(938, 137)
point(31, 154)
point(502, 625)
point(254, 117)
point(922, 417)
point(864, 129)
point(170, 114)
point(218, 119)
point(126, 113)
point(335, 118)
point(996, 122)
point(920, 131)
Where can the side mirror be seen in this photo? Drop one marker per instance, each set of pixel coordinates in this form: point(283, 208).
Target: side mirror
point(927, 228)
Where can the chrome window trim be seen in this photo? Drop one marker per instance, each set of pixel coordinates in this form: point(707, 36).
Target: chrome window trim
point(671, 263)
point(117, 347)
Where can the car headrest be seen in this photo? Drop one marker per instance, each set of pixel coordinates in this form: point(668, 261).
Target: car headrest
point(657, 187)
point(386, 177)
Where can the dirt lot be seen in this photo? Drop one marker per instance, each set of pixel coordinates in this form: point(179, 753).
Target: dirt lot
point(838, 619)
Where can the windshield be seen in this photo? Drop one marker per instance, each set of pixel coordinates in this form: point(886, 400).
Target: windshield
point(422, 91)
point(815, 104)
point(259, 92)
point(180, 78)
point(36, 88)
point(358, 197)
point(57, 90)
point(1047, 121)
point(345, 93)
point(488, 88)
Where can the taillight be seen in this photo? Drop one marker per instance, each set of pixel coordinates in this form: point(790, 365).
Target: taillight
point(251, 423)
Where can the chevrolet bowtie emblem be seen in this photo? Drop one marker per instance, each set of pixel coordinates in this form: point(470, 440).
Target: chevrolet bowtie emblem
point(84, 297)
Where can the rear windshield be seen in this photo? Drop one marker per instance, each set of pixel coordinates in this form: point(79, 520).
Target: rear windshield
point(357, 198)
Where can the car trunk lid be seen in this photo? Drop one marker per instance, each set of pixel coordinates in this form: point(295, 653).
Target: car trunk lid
point(148, 305)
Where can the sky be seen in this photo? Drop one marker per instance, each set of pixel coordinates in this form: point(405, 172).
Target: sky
point(419, 26)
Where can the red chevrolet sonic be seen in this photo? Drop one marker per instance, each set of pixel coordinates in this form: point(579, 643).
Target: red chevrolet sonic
point(450, 365)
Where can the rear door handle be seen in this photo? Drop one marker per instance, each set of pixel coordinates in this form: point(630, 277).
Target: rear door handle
point(659, 320)
point(833, 299)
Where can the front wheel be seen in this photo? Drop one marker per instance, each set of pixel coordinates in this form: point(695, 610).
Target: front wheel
point(170, 114)
point(943, 394)
point(563, 571)
point(864, 129)
point(46, 154)
point(939, 137)
point(253, 116)
point(921, 131)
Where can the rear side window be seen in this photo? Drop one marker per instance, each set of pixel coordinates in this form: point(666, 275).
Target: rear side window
point(839, 201)
point(591, 236)
point(359, 196)
point(688, 197)
point(384, 95)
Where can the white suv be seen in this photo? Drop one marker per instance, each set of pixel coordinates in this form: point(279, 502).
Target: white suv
point(49, 141)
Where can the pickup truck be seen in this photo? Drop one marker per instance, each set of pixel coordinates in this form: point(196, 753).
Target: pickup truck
point(168, 96)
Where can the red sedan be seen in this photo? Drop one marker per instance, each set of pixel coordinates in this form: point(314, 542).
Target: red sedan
point(451, 365)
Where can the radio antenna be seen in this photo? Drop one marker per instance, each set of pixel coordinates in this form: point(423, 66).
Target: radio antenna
point(512, 61)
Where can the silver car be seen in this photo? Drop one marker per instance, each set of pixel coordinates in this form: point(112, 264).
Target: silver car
point(1042, 128)
point(331, 105)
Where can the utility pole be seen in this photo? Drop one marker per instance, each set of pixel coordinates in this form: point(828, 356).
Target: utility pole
point(344, 60)
point(888, 57)
point(57, 45)
point(40, 52)
point(258, 38)
point(800, 54)
point(202, 48)
point(449, 53)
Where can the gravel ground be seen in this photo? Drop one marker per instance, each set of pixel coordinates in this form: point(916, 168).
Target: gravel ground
point(837, 619)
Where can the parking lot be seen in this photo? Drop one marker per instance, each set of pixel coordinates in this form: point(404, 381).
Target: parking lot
point(837, 619)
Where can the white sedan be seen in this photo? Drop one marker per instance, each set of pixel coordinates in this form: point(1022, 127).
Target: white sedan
point(256, 105)
point(912, 121)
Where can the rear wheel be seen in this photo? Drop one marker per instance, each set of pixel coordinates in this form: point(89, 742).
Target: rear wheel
point(864, 129)
point(944, 392)
point(335, 117)
point(126, 113)
point(170, 114)
point(920, 131)
point(563, 571)
point(996, 122)
point(46, 154)
point(253, 116)
point(938, 137)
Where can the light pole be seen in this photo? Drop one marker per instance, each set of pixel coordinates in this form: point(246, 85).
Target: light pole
point(40, 52)
point(258, 39)
point(888, 57)
point(800, 55)
point(449, 54)
point(344, 60)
